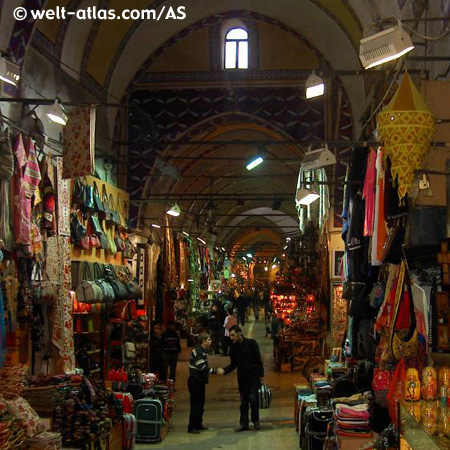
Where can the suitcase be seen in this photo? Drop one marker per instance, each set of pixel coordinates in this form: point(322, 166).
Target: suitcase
point(129, 432)
point(317, 421)
point(306, 403)
point(127, 401)
point(149, 418)
point(264, 396)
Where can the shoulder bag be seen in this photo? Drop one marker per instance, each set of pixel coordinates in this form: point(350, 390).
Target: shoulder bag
point(88, 291)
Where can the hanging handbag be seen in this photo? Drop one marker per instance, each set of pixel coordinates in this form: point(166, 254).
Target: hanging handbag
point(120, 243)
point(392, 248)
point(106, 204)
point(112, 247)
point(404, 345)
point(113, 208)
point(133, 288)
point(77, 230)
point(120, 291)
point(88, 291)
point(98, 204)
point(130, 249)
point(108, 291)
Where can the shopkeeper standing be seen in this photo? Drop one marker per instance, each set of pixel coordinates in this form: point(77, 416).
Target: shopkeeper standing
point(171, 349)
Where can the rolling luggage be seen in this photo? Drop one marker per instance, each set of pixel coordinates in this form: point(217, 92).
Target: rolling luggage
point(149, 418)
point(129, 432)
point(317, 421)
point(264, 396)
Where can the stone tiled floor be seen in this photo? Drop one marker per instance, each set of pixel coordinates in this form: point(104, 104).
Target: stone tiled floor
point(222, 407)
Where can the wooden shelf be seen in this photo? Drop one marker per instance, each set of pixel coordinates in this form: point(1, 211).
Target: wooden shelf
point(86, 332)
point(82, 313)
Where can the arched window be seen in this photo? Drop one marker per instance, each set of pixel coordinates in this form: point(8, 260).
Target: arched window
point(236, 49)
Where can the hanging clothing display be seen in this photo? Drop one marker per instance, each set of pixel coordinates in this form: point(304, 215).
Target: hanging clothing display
point(369, 193)
point(79, 143)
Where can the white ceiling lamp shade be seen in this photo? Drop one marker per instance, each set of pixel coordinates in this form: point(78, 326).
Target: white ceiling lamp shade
point(306, 196)
point(9, 72)
point(315, 159)
point(155, 225)
point(315, 86)
point(385, 46)
point(56, 113)
point(174, 211)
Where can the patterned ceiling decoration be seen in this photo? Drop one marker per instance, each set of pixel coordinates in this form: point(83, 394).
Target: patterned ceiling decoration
point(176, 111)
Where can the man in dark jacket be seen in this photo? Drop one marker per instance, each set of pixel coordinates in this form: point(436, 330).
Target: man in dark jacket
point(245, 356)
point(199, 371)
point(171, 347)
point(241, 303)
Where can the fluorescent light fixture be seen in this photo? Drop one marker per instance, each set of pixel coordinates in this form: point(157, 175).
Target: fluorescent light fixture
point(233, 275)
point(201, 240)
point(56, 113)
point(185, 233)
point(155, 225)
point(321, 157)
point(254, 163)
point(244, 258)
point(315, 87)
point(9, 72)
point(217, 248)
point(288, 239)
point(223, 248)
point(249, 255)
point(306, 196)
point(385, 46)
point(190, 280)
point(174, 211)
point(285, 247)
point(266, 269)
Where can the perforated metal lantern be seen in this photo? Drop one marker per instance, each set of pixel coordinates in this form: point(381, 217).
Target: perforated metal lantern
point(406, 127)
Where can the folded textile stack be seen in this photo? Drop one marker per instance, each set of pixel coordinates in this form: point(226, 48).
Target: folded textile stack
point(352, 420)
point(45, 441)
point(43, 399)
point(12, 380)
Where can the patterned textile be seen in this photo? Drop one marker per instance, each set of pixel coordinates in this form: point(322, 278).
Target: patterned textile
point(21, 410)
point(369, 192)
point(153, 252)
point(406, 127)
point(171, 268)
point(339, 318)
point(62, 331)
point(21, 208)
point(63, 200)
point(32, 174)
point(182, 279)
point(5, 217)
point(79, 143)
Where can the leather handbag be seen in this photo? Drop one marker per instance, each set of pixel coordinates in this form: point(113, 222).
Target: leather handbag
point(88, 291)
point(77, 230)
point(122, 212)
point(106, 204)
point(113, 208)
point(120, 291)
point(108, 291)
point(112, 247)
point(133, 288)
point(392, 248)
point(120, 243)
point(130, 249)
point(404, 344)
point(98, 204)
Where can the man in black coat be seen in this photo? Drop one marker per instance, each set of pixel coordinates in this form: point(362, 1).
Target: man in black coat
point(246, 357)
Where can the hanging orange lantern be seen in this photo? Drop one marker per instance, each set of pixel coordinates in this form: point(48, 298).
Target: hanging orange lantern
point(406, 127)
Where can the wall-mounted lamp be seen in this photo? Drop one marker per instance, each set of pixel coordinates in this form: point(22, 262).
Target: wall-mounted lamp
point(385, 46)
point(315, 86)
point(174, 211)
point(9, 72)
point(56, 113)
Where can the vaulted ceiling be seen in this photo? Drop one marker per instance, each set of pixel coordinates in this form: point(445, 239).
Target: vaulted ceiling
point(146, 61)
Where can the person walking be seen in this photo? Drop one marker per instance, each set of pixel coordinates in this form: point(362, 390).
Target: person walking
point(171, 347)
point(229, 322)
point(199, 372)
point(241, 303)
point(246, 357)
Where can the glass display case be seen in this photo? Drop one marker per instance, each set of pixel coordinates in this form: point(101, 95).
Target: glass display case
point(425, 425)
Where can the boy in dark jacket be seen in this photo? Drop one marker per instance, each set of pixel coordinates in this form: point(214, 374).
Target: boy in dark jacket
point(199, 371)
